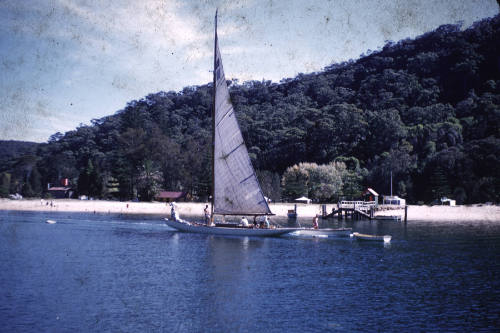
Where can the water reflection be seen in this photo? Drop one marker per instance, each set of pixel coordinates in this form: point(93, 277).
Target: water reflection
point(231, 266)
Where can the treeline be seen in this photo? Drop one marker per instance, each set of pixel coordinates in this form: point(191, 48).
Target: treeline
point(427, 110)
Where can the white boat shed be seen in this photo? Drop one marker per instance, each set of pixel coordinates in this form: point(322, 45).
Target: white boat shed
point(394, 200)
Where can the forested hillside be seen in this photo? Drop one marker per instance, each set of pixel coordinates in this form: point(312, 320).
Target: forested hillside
point(426, 109)
point(10, 149)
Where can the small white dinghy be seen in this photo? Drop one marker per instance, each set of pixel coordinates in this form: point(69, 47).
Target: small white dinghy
point(366, 237)
point(50, 221)
point(323, 233)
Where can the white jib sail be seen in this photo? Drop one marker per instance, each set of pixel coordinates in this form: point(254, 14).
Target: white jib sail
point(236, 188)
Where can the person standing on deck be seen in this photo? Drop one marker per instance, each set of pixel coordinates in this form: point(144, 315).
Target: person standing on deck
point(244, 222)
point(172, 212)
point(206, 213)
point(267, 225)
point(315, 222)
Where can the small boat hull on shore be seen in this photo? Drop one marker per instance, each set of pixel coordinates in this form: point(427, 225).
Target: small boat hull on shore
point(204, 229)
point(327, 232)
point(374, 238)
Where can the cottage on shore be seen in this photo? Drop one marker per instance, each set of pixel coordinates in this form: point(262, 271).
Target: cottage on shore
point(60, 192)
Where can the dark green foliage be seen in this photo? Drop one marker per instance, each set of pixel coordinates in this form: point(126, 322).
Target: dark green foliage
point(270, 183)
point(4, 184)
point(11, 150)
point(35, 181)
point(427, 110)
point(90, 182)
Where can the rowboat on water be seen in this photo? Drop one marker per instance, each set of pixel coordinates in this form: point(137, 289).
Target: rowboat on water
point(50, 221)
point(326, 232)
point(366, 237)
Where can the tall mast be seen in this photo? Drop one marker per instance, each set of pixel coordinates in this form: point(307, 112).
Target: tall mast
point(213, 120)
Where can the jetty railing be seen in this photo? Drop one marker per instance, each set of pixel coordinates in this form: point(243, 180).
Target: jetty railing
point(361, 205)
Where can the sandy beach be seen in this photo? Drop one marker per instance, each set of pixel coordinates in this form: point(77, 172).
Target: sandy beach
point(484, 213)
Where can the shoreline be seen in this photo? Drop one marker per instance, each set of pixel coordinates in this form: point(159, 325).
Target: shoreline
point(482, 213)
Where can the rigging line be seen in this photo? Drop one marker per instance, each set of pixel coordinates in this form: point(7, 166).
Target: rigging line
point(225, 114)
point(225, 156)
point(244, 180)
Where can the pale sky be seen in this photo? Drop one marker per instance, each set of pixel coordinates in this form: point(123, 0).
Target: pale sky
point(65, 62)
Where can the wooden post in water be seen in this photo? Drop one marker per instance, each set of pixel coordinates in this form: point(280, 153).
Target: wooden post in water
point(406, 213)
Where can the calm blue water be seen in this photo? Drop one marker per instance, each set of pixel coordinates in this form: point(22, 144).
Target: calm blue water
point(125, 274)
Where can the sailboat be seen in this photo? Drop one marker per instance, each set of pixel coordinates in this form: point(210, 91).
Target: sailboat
point(235, 188)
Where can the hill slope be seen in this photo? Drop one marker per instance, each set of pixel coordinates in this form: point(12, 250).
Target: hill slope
point(426, 109)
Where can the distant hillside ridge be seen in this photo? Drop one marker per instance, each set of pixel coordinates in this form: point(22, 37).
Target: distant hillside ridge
point(13, 148)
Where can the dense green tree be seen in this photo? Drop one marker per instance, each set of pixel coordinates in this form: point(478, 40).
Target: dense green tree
point(90, 182)
point(320, 182)
point(35, 182)
point(270, 183)
point(4, 184)
point(149, 181)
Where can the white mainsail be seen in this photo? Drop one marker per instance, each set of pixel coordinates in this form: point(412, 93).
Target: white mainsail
point(236, 188)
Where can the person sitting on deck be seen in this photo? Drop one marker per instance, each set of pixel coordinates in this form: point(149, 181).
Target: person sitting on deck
point(244, 222)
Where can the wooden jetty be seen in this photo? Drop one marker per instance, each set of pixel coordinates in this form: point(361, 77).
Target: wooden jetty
point(356, 210)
